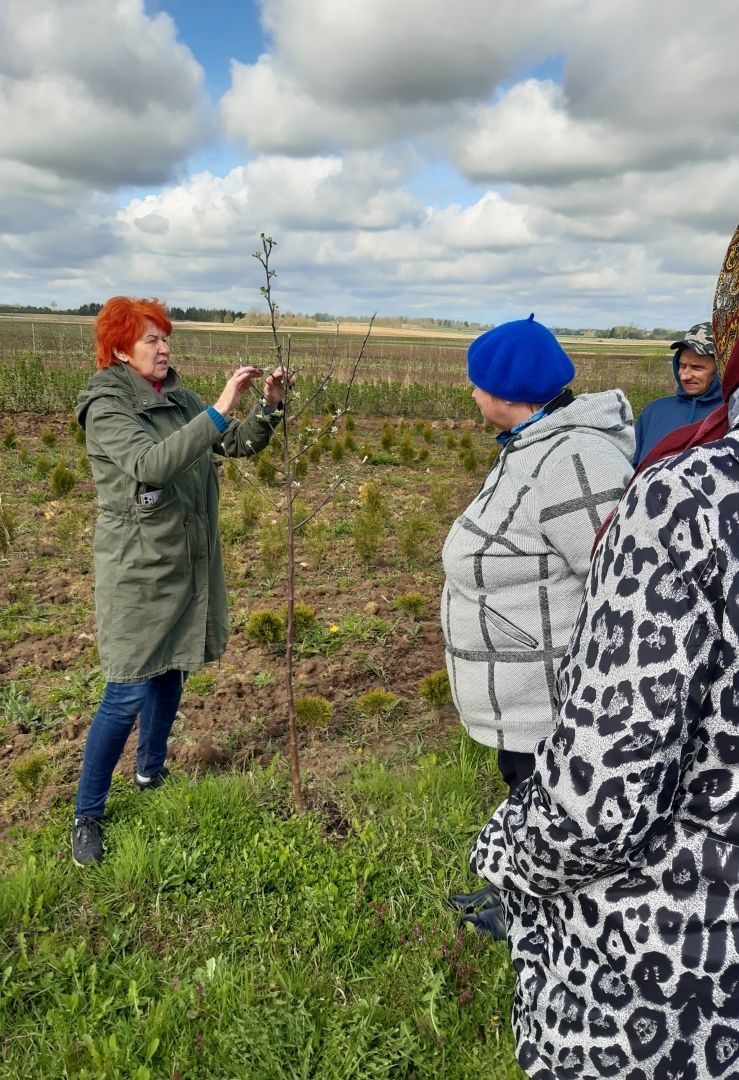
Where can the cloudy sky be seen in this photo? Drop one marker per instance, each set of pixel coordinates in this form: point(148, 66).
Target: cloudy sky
point(471, 159)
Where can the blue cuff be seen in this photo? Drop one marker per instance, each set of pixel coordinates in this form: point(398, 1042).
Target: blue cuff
point(220, 421)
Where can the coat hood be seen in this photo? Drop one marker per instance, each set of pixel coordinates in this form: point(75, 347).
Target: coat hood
point(119, 381)
point(607, 414)
point(711, 396)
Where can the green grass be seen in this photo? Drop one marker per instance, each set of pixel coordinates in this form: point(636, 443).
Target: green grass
point(223, 937)
point(26, 383)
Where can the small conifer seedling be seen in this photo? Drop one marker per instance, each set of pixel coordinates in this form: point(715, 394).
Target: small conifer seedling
point(30, 771)
point(413, 604)
point(232, 472)
point(440, 498)
point(313, 712)
point(451, 441)
point(435, 689)
point(304, 618)
point(388, 435)
point(264, 628)
point(250, 507)
point(406, 453)
point(376, 703)
point(266, 471)
point(469, 460)
point(43, 466)
point(48, 438)
point(272, 545)
point(413, 530)
point(77, 432)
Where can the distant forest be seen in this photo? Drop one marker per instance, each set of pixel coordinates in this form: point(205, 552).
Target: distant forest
point(256, 317)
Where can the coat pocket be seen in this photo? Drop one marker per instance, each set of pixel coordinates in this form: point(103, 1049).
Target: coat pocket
point(516, 633)
point(144, 511)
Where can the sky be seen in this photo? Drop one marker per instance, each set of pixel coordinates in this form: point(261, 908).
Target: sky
point(464, 159)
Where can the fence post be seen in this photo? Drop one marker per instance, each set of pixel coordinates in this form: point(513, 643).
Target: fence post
point(33, 334)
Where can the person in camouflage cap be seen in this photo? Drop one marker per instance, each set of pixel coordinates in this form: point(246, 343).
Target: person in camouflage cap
point(698, 390)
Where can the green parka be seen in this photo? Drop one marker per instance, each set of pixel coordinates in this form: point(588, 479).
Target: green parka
point(160, 591)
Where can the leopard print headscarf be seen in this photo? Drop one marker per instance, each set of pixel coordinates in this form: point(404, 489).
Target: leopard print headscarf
point(726, 305)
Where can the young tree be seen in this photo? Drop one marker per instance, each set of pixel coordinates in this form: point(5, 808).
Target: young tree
point(292, 445)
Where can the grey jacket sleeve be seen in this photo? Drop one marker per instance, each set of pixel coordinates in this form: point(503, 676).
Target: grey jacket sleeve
point(577, 490)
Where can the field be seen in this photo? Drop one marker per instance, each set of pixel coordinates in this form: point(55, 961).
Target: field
point(224, 937)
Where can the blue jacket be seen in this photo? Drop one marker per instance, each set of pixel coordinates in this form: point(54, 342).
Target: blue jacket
point(661, 417)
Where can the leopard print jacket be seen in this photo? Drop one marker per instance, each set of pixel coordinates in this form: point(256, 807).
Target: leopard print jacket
point(619, 860)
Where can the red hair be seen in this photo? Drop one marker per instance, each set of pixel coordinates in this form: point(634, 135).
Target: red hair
point(121, 323)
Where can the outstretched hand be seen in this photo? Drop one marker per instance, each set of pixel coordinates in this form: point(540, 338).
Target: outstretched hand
point(240, 382)
point(274, 391)
point(235, 389)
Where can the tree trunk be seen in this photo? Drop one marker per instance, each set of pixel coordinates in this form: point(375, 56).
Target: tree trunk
point(289, 631)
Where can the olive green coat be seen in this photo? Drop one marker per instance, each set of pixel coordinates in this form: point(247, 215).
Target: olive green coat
point(160, 591)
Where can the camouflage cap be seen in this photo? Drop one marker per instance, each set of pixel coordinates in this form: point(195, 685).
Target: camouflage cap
point(699, 339)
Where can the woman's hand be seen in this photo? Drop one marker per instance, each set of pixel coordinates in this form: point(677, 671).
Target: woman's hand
point(274, 391)
point(235, 389)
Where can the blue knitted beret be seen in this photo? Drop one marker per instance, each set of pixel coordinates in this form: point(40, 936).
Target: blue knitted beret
point(519, 361)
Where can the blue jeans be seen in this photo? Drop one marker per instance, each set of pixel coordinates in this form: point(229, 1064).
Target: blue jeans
point(156, 700)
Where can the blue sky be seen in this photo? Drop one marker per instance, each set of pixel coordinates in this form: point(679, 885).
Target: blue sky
point(472, 161)
point(216, 31)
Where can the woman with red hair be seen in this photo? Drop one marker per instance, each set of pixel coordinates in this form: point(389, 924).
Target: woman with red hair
point(160, 592)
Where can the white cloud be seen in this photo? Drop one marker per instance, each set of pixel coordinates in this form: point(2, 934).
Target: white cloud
point(528, 135)
point(271, 111)
point(616, 184)
point(352, 237)
point(644, 85)
point(95, 91)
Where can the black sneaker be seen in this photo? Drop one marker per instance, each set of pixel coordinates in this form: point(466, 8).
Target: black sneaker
point(486, 897)
point(150, 783)
point(489, 921)
point(87, 842)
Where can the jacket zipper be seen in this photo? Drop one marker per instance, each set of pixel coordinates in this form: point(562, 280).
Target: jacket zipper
point(516, 633)
point(207, 533)
point(186, 522)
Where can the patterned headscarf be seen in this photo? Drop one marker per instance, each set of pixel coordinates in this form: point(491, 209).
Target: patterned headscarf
point(726, 305)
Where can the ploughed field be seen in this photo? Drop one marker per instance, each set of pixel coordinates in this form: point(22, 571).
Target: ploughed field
point(372, 585)
point(223, 936)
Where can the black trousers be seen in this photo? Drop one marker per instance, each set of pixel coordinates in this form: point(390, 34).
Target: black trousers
point(515, 767)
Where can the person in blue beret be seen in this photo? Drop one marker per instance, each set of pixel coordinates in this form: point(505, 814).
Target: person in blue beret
point(516, 560)
point(698, 391)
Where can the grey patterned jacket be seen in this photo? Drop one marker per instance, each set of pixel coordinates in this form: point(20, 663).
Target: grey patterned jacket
point(516, 563)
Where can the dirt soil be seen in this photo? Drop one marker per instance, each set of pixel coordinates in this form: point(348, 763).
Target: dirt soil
point(235, 713)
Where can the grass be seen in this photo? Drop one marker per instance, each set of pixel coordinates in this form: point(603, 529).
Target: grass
point(29, 384)
point(223, 937)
